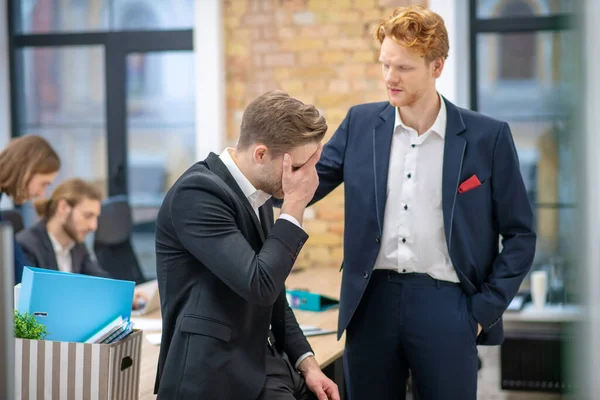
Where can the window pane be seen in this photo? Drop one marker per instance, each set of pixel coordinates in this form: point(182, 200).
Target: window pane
point(55, 16)
point(64, 96)
point(152, 15)
point(63, 101)
point(523, 8)
point(161, 136)
point(525, 80)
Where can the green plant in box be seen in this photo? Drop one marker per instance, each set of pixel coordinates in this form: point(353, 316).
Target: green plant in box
point(27, 327)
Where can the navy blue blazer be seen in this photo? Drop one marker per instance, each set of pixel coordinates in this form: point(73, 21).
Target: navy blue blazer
point(20, 260)
point(358, 155)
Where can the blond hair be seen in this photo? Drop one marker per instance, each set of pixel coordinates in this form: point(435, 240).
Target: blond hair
point(21, 160)
point(73, 191)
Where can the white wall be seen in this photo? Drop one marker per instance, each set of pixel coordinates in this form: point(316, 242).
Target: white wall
point(454, 82)
point(590, 210)
point(210, 77)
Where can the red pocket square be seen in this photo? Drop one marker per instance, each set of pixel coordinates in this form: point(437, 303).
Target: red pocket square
point(469, 184)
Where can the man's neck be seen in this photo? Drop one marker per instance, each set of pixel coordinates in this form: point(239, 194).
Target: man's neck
point(55, 228)
point(421, 115)
point(240, 159)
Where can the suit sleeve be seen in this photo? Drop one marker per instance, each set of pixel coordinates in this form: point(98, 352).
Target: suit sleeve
point(514, 217)
point(296, 344)
point(331, 165)
point(204, 220)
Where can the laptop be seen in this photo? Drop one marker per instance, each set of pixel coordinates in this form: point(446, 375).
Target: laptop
point(150, 289)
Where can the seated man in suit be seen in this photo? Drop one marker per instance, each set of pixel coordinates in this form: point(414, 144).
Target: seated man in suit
point(228, 331)
point(67, 217)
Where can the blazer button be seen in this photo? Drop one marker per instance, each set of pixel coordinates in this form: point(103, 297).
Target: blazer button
point(377, 239)
point(366, 275)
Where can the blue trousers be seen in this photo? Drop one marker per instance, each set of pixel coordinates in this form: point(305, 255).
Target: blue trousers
point(411, 322)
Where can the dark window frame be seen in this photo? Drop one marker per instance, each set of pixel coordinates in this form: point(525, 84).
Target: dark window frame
point(117, 45)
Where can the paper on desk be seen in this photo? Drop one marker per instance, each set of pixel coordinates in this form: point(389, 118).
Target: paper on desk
point(147, 324)
point(310, 330)
point(154, 338)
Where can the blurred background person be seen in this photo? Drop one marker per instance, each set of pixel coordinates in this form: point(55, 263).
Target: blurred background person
point(28, 165)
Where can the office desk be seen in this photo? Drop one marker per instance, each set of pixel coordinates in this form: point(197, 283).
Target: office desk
point(327, 348)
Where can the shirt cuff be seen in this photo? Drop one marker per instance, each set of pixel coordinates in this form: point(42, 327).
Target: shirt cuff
point(291, 219)
point(302, 358)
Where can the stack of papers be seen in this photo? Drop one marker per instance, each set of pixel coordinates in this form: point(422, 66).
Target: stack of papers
point(113, 332)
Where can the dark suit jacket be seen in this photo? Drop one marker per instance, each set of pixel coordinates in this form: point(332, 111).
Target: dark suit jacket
point(40, 253)
point(221, 279)
point(358, 155)
point(19, 257)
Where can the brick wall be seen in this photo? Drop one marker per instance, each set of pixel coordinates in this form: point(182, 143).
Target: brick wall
point(319, 51)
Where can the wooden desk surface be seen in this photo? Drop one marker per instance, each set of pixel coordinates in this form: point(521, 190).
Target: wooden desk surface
point(327, 348)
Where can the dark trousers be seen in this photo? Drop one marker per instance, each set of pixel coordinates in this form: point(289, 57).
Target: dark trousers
point(411, 322)
point(283, 381)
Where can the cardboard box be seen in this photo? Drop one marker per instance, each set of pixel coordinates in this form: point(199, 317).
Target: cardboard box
point(64, 370)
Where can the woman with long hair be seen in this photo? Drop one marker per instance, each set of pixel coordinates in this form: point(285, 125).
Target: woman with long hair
point(28, 165)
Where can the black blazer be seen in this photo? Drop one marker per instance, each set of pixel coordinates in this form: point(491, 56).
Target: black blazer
point(221, 277)
point(39, 252)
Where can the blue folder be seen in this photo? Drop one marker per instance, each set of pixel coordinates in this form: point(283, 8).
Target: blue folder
point(73, 307)
point(305, 300)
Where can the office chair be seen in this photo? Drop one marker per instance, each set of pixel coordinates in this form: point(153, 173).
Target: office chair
point(15, 218)
point(112, 241)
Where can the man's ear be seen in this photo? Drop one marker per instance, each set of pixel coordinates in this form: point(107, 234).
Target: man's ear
point(63, 207)
point(437, 67)
point(260, 154)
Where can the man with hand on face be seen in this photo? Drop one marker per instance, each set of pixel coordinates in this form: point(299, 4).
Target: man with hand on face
point(429, 190)
point(228, 331)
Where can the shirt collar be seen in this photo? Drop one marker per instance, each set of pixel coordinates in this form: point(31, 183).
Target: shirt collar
point(58, 248)
point(439, 125)
point(256, 197)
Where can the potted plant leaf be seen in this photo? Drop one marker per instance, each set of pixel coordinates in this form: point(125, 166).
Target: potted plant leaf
point(27, 327)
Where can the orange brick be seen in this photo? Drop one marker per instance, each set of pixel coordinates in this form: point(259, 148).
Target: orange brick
point(351, 71)
point(281, 74)
point(335, 16)
point(367, 57)
point(236, 49)
point(265, 46)
point(322, 31)
point(314, 72)
point(324, 239)
point(346, 43)
point(331, 4)
point(373, 71)
point(294, 5)
point(302, 44)
point(335, 57)
point(287, 32)
point(337, 228)
point(318, 85)
point(280, 59)
point(292, 87)
point(231, 21)
point(336, 254)
point(318, 253)
point(375, 15)
point(339, 86)
point(364, 4)
point(257, 20)
point(315, 226)
point(312, 58)
point(351, 30)
point(235, 7)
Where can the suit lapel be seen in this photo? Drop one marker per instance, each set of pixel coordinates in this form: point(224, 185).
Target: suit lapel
point(42, 233)
point(454, 151)
point(216, 165)
point(77, 259)
point(382, 143)
point(266, 217)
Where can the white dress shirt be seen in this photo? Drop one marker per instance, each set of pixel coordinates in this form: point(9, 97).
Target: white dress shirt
point(413, 238)
point(62, 254)
point(257, 199)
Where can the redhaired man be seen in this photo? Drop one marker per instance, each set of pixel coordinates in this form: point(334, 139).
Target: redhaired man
point(430, 188)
